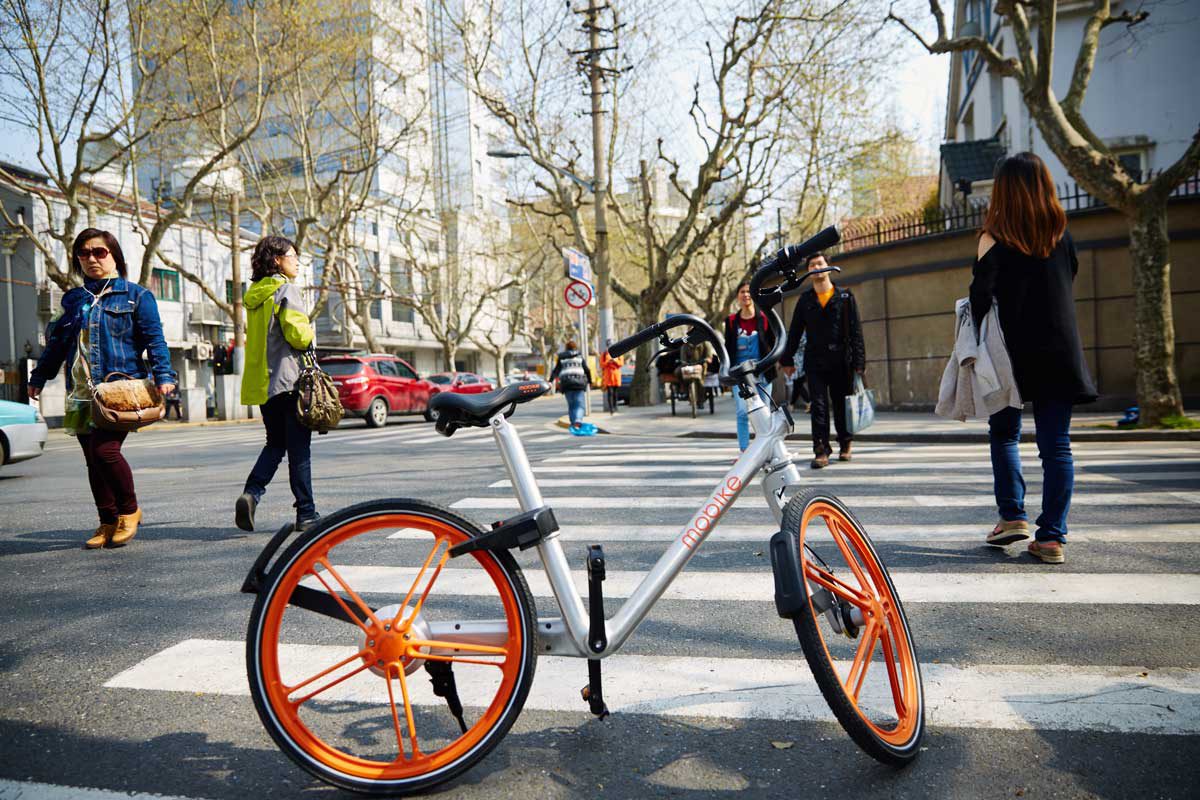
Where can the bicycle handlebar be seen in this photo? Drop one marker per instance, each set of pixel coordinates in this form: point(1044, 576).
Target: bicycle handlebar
point(787, 262)
point(698, 330)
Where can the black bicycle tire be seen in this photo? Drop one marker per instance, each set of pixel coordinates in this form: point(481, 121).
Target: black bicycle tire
point(402, 787)
point(818, 657)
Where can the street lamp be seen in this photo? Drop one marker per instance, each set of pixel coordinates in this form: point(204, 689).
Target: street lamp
point(588, 185)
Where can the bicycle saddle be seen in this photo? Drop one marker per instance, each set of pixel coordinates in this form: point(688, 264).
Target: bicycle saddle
point(456, 411)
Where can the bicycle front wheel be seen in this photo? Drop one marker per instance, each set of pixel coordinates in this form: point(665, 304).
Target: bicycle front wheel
point(854, 632)
point(380, 666)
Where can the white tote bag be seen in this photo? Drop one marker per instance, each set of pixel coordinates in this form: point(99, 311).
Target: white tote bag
point(860, 407)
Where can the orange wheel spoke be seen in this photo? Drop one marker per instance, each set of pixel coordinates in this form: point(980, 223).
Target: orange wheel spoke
point(466, 647)
point(429, 586)
point(460, 660)
point(358, 601)
point(328, 686)
point(889, 659)
point(862, 659)
point(839, 538)
point(437, 543)
point(395, 715)
point(325, 672)
point(412, 726)
point(838, 587)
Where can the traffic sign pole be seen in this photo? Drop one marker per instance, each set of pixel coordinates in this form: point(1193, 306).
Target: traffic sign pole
point(578, 295)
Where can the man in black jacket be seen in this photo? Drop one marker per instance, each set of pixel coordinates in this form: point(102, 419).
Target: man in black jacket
point(833, 354)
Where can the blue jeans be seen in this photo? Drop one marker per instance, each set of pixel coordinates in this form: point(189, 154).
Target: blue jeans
point(575, 404)
point(743, 417)
point(285, 436)
point(1052, 420)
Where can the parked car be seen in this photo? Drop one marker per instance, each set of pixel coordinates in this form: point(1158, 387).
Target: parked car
point(378, 385)
point(461, 383)
point(522, 376)
point(22, 432)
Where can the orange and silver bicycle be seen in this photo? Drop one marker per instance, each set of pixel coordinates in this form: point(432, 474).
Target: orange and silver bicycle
point(392, 646)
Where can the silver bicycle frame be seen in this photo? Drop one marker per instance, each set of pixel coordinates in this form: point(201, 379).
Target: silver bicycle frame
point(568, 634)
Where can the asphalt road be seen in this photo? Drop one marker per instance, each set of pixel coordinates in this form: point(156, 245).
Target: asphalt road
point(1074, 681)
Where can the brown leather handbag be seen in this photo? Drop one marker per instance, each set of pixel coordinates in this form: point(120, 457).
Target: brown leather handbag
point(124, 405)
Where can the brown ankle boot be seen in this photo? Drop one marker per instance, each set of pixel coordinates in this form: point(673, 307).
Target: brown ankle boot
point(102, 536)
point(127, 525)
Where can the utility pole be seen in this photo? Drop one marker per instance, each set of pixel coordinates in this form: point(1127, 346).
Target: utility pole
point(235, 273)
point(596, 74)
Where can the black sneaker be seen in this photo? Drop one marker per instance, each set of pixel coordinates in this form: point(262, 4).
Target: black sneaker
point(243, 511)
point(308, 522)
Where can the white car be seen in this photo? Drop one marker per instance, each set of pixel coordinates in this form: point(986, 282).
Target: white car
point(22, 432)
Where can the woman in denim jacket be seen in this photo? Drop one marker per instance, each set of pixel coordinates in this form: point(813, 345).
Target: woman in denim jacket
point(116, 322)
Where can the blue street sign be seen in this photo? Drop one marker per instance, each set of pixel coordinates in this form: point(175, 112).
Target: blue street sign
point(579, 266)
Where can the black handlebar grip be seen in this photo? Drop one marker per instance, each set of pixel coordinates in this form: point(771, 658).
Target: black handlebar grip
point(789, 258)
point(636, 340)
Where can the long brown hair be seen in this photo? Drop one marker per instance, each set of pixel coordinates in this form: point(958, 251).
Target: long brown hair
point(1024, 212)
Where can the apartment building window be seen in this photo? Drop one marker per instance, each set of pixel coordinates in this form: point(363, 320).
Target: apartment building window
point(164, 283)
point(1133, 162)
point(401, 275)
point(371, 278)
point(229, 291)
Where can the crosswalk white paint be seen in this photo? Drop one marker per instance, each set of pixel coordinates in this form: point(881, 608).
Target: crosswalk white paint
point(1123, 699)
point(582, 478)
point(672, 456)
point(1176, 532)
point(32, 790)
point(1113, 499)
point(914, 587)
point(982, 467)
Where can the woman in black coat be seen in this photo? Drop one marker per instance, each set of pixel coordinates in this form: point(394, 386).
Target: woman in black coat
point(1027, 264)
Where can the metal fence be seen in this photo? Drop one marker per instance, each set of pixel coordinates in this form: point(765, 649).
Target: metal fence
point(860, 234)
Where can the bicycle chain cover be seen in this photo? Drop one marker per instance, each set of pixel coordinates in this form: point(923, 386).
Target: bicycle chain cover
point(523, 531)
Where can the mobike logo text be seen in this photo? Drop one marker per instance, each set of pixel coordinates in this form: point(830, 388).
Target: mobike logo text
point(712, 509)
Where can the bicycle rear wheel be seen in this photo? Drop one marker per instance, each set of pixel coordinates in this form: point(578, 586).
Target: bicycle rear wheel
point(378, 666)
point(854, 632)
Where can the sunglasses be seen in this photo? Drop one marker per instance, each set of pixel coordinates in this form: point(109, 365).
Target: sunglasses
point(99, 253)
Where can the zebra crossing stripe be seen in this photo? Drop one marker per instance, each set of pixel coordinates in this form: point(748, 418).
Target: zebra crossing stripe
point(1122, 499)
point(646, 464)
point(914, 587)
point(1119, 699)
point(1175, 532)
point(32, 790)
point(586, 480)
point(892, 460)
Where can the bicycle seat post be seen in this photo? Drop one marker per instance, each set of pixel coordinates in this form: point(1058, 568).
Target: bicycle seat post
point(516, 463)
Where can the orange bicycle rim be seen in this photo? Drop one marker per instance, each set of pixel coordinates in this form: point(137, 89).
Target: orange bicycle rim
point(410, 762)
point(869, 590)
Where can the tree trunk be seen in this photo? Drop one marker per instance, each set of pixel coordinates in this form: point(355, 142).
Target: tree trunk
point(501, 357)
point(1154, 326)
point(450, 353)
point(640, 388)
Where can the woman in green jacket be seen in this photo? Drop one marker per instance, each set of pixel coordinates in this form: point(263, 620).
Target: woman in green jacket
point(277, 333)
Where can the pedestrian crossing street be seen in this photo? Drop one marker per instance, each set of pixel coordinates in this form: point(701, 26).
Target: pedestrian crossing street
point(1099, 644)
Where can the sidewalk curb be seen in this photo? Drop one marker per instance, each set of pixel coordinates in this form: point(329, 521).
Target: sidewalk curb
point(982, 438)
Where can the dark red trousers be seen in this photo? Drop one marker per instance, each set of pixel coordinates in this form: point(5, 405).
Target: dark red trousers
point(109, 474)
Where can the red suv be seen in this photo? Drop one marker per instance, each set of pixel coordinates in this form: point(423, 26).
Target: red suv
point(374, 386)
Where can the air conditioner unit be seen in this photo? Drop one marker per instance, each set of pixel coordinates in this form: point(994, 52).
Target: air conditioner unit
point(201, 351)
point(49, 299)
